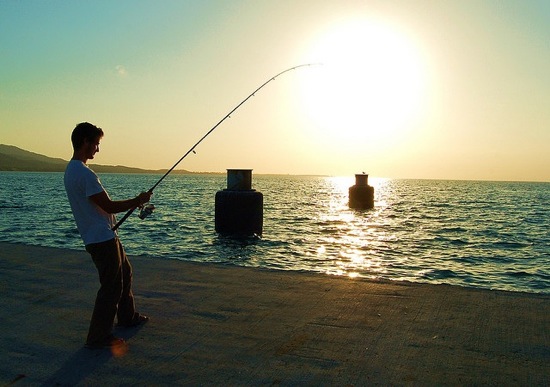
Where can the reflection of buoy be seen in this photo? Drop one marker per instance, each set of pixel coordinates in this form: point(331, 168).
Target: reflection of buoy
point(361, 195)
point(239, 208)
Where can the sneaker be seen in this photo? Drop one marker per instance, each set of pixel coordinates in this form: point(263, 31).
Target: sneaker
point(109, 342)
point(136, 321)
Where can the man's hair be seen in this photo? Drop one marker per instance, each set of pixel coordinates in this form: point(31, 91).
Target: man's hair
point(85, 132)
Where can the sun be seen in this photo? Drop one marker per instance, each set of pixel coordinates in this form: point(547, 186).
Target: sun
point(371, 83)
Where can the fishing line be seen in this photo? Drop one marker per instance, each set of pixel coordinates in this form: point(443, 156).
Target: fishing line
point(192, 149)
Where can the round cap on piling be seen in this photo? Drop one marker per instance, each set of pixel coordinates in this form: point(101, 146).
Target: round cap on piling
point(239, 179)
point(361, 179)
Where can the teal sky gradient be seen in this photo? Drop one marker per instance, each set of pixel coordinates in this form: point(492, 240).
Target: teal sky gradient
point(157, 75)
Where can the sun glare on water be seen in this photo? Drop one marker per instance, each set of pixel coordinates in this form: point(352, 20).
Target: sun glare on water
point(370, 85)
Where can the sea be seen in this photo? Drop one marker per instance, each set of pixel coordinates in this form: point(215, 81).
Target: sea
point(481, 234)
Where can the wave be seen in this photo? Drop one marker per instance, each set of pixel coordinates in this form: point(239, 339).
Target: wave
point(420, 230)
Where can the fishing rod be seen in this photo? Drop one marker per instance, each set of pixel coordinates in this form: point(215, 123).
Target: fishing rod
point(192, 149)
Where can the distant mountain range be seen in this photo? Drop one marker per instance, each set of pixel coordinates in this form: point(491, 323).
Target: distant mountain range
point(13, 158)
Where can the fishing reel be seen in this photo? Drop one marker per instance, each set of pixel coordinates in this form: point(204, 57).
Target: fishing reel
point(146, 210)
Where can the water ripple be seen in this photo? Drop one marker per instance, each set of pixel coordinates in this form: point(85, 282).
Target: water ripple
point(483, 234)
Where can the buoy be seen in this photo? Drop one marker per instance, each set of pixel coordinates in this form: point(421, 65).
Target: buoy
point(239, 208)
point(361, 195)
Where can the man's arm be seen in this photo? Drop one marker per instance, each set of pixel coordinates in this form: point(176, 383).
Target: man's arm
point(114, 206)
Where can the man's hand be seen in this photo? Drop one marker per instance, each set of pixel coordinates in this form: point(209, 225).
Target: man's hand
point(143, 198)
point(112, 207)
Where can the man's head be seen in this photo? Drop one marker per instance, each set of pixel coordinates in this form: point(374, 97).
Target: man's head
point(85, 132)
point(85, 139)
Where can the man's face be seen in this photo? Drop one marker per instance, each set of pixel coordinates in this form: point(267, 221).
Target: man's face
point(91, 147)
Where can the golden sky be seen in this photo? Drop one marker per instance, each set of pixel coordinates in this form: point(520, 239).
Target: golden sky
point(406, 89)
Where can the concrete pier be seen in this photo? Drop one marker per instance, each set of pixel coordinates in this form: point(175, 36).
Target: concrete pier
point(222, 325)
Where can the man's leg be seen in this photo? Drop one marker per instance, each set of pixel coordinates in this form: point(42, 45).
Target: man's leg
point(126, 306)
point(108, 263)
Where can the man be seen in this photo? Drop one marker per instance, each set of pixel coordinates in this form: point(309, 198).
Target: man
point(93, 212)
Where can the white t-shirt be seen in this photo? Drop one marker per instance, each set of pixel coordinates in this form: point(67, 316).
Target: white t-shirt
point(94, 224)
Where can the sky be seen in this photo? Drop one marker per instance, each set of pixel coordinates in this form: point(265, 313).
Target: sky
point(399, 89)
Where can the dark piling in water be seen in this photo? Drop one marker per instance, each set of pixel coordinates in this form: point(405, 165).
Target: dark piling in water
point(361, 195)
point(239, 208)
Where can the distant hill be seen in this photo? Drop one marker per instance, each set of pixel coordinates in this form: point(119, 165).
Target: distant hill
point(13, 158)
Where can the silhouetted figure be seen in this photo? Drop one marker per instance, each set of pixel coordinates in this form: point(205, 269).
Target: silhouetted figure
point(93, 211)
